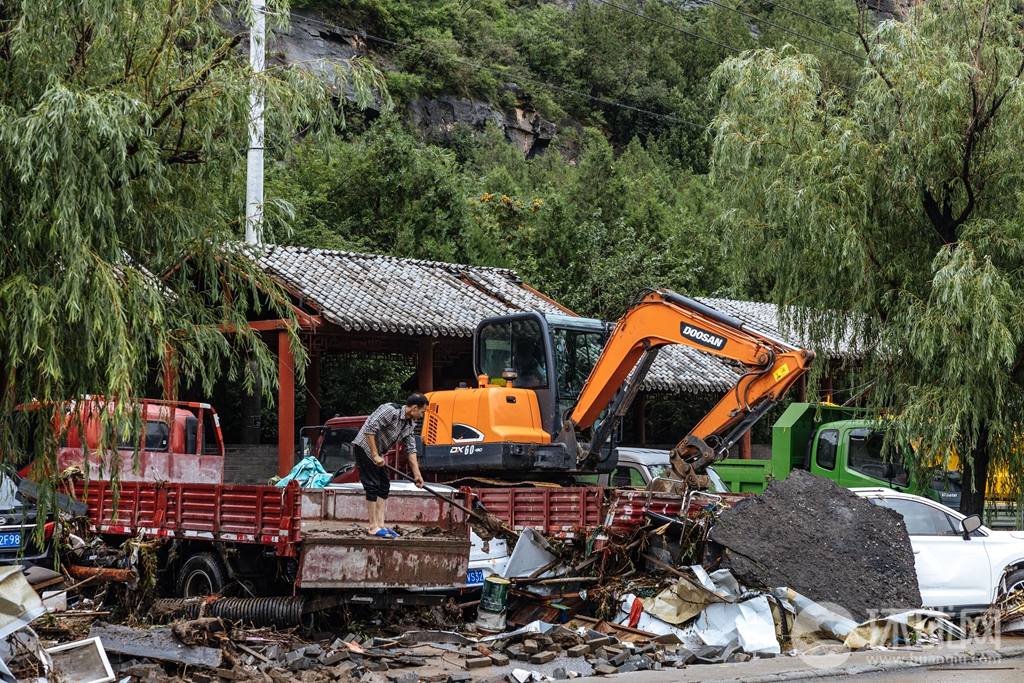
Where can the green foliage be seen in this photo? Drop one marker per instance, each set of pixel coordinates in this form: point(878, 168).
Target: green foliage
point(383, 191)
point(894, 220)
point(122, 129)
point(590, 233)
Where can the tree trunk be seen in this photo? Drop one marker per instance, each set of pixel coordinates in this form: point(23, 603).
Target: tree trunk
point(972, 501)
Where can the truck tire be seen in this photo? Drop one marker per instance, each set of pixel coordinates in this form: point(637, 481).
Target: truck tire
point(200, 576)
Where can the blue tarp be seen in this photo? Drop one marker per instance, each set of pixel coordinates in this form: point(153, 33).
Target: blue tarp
point(309, 473)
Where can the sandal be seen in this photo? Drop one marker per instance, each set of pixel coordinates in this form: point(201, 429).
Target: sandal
point(391, 533)
point(384, 533)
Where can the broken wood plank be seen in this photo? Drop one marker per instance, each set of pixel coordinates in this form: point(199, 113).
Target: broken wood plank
point(250, 651)
point(155, 643)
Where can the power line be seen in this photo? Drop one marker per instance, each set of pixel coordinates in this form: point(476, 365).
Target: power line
point(709, 40)
point(816, 21)
point(499, 72)
point(783, 28)
point(674, 28)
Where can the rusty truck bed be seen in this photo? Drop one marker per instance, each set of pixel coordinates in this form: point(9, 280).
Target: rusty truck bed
point(318, 526)
point(562, 511)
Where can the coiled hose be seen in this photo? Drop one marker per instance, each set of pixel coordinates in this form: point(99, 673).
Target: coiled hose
point(282, 611)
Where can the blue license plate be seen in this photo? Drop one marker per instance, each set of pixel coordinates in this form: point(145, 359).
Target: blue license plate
point(12, 539)
point(474, 576)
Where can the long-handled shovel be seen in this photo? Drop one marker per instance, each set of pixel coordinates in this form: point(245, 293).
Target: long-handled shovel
point(486, 519)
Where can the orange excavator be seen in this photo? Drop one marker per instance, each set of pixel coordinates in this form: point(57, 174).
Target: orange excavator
point(551, 389)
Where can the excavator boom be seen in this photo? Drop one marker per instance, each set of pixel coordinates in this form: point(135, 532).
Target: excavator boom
point(662, 318)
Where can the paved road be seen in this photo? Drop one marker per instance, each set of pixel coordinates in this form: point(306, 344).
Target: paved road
point(1001, 662)
point(1002, 671)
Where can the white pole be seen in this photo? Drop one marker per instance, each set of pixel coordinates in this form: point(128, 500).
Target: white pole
point(254, 166)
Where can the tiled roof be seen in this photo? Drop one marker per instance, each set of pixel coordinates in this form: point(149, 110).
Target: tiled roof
point(369, 292)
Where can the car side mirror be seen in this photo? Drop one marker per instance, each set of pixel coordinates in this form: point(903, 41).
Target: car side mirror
point(307, 447)
point(969, 525)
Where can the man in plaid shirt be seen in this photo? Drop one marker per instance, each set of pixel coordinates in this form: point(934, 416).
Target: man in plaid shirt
point(382, 430)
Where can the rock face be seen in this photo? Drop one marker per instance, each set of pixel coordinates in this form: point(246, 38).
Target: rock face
point(823, 541)
point(525, 129)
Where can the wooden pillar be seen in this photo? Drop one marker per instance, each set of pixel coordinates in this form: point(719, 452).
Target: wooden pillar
point(313, 392)
point(285, 405)
point(744, 445)
point(425, 367)
point(640, 419)
point(170, 389)
point(801, 390)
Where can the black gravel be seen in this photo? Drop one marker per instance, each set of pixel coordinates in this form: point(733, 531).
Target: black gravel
point(823, 541)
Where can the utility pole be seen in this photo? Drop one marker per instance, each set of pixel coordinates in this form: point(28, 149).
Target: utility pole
point(254, 165)
point(252, 404)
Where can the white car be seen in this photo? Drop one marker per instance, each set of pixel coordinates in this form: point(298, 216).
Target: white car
point(638, 466)
point(956, 570)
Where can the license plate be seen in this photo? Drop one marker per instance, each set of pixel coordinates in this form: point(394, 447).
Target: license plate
point(13, 540)
point(474, 576)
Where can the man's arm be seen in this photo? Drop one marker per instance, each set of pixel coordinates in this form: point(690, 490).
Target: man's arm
point(371, 441)
point(415, 465)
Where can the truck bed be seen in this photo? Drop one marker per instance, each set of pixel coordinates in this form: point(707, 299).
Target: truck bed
point(321, 527)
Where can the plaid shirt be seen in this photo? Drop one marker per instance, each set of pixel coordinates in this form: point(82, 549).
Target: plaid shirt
point(387, 424)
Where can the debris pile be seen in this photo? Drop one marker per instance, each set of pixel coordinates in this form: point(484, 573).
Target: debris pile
point(798, 570)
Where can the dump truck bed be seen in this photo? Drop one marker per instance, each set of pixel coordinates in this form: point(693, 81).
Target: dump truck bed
point(323, 528)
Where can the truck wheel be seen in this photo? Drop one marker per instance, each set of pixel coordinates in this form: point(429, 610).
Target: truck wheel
point(200, 576)
point(1014, 581)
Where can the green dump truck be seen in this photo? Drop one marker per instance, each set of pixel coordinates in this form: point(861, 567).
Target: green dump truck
point(837, 443)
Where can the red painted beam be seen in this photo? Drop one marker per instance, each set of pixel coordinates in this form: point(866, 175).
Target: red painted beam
point(425, 367)
point(285, 405)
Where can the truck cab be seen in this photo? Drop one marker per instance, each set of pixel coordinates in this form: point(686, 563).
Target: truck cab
point(850, 452)
point(843, 445)
point(178, 441)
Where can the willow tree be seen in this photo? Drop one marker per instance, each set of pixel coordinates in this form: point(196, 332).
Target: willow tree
point(891, 218)
point(123, 130)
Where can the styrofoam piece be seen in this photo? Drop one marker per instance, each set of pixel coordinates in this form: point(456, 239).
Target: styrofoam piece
point(83, 661)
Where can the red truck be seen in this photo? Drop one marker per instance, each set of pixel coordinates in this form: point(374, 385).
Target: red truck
point(270, 540)
point(306, 543)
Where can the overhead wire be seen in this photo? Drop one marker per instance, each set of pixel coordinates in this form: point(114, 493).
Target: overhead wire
point(809, 18)
point(783, 28)
point(503, 74)
point(715, 42)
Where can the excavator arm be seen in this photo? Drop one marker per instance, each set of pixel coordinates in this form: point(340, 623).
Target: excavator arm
point(661, 318)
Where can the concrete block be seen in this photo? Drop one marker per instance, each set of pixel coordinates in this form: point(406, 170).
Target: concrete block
point(334, 657)
point(531, 647)
point(542, 657)
point(478, 662)
point(579, 650)
point(498, 659)
point(605, 670)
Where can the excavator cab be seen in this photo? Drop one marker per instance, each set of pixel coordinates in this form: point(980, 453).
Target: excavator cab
point(530, 370)
point(550, 354)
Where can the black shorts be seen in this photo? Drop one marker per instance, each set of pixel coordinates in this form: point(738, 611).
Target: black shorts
point(374, 479)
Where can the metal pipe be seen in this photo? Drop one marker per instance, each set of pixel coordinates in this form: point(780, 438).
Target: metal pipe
point(103, 574)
